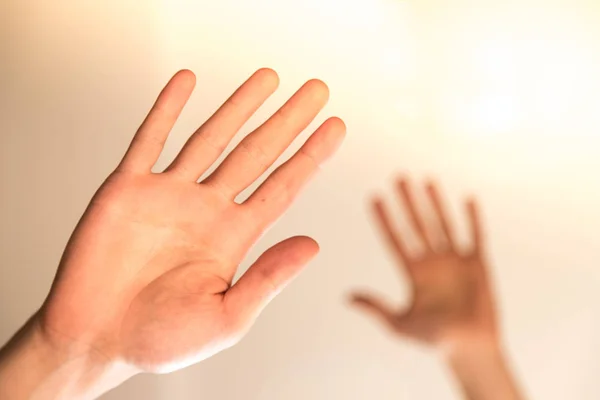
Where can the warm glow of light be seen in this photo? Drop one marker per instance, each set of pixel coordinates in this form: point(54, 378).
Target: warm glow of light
point(494, 113)
point(521, 77)
point(498, 71)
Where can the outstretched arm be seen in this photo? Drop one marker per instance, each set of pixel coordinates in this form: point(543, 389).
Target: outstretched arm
point(452, 308)
point(145, 282)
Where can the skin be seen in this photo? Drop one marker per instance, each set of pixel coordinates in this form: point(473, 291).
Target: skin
point(145, 282)
point(452, 308)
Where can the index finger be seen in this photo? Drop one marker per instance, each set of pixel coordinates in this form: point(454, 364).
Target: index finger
point(148, 142)
point(390, 234)
point(475, 225)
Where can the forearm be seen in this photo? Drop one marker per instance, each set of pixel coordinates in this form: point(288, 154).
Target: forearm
point(483, 373)
point(32, 368)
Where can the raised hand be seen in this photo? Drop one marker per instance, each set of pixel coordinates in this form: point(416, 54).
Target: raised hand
point(146, 278)
point(452, 303)
point(452, 307)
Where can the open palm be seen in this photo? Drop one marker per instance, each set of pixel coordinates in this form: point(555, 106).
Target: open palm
point(452, 302)
point(146, 277)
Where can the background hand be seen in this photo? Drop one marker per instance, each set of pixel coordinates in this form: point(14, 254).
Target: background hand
point(452, 303)
point(146, 276)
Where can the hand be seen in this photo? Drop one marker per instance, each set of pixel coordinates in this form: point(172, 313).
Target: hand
point(452, 302)
point(146, 278)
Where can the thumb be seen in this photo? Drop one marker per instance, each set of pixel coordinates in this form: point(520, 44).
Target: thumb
point(271, 272)
point(376, 307)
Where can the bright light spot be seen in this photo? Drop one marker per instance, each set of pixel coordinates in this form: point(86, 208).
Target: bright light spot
point(519, 79)
point(493, 70)
point(357, 13)
point(393, 60)
point(558, 75)
point(407, 108)
point(496, 62)
point(490, 113)
point(596, 116)
point(495, 114)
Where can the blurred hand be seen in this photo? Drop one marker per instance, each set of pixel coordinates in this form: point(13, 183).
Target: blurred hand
point(146, 278)
point(452, 304)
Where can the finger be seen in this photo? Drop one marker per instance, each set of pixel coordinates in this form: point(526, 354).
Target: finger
point(448, 235)
point(149, 140)
point(205, 146)
point(273, 270)
point(257, 151)
point(280, 189)
point(392, 238)
point(475, 226)
point(407, 197)
point(375, 307)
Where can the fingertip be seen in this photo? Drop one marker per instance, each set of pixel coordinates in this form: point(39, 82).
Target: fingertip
point(430, 185)
point(352, 296)
point(402, 181)
point(471, 203)
point(375, 202)
point(356, 299)
point(319, 88)
point(306, 246)
point(312, 244)
point(268, 77)
point(187, 76)
point(337, 123)
point(359, 295)
point(331, 134)
point(267, 73)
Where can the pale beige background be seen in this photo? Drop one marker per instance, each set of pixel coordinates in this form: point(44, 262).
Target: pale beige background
point(498, 98)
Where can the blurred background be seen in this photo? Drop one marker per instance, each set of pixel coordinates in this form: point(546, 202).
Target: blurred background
point(500, 99)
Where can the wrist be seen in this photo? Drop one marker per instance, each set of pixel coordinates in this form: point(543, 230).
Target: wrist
point(474, 349)
point(34, 365)
point(481, 369)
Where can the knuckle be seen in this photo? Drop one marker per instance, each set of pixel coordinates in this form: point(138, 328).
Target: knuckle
point(255, 152)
